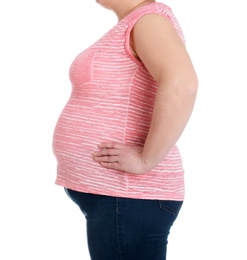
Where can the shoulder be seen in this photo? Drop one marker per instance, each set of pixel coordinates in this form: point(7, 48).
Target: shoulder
point(155, 27)
point(150, 14)
point(156, 16)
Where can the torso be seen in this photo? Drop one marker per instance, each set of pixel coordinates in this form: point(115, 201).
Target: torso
point(112, 99)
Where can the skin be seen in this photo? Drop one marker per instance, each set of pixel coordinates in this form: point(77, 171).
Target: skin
point(157, 44)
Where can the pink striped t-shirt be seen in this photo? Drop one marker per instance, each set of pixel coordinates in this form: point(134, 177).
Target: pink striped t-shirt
point(112, 100)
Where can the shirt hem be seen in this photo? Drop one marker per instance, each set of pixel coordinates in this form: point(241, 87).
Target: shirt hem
point(130, 195)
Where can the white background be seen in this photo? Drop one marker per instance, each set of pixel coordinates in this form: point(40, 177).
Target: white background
point(38, 41)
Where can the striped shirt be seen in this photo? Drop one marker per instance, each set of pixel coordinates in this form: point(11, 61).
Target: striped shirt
point(112, 100)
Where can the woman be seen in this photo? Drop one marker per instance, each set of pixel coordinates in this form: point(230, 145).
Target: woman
point(133, 92)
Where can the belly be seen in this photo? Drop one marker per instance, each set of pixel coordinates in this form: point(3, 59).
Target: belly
point(80, 128)
point(88, 120)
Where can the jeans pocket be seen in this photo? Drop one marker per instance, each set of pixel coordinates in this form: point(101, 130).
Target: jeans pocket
point(171, 206)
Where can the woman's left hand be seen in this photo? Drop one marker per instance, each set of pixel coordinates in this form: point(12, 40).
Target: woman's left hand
point(121, 157)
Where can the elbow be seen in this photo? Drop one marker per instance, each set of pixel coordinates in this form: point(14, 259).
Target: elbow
point(186, 88)
point(191, 86)
point(181, 87)
point(188, 85)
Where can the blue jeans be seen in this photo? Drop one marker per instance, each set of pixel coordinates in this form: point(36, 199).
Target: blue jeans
point(126, 229)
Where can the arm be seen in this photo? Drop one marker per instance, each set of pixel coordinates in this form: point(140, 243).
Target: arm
point(158, 45)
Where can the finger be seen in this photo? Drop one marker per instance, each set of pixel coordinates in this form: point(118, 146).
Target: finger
point(108, 159)
point(113, 165)
point(106, 152)
point(110, 145)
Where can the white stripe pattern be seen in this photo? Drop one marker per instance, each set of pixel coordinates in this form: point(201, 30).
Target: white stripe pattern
point(112, 100)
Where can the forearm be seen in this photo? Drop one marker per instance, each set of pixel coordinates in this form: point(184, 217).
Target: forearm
point(171, 112)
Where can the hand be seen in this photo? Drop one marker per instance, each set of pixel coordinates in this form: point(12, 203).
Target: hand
point(121, 157)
